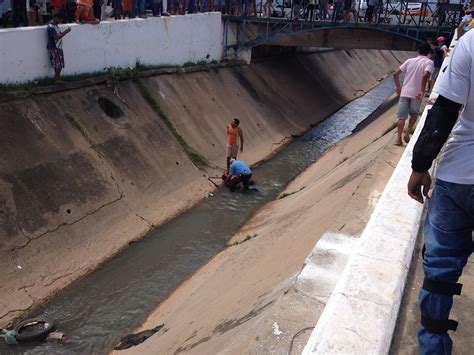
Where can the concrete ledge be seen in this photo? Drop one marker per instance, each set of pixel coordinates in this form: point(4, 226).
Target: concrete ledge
point(361, 314)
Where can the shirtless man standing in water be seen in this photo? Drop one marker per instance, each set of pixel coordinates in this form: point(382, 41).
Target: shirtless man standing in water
point(234, 131)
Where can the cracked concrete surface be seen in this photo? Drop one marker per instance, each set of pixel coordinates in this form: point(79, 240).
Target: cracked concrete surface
point(66, 205)
point(275, 267)
point(83, 210)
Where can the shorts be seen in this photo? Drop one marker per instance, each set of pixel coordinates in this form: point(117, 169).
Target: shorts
point(56, 57)
point(408, 107)
point(232, 150)
point(434, 74)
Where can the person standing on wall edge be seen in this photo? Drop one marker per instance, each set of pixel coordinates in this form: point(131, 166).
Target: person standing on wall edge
point(234, 131)
point(417, 71)
point(449, 223)
point(55, 46)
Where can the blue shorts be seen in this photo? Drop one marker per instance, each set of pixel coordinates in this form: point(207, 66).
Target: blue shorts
point(408, 107)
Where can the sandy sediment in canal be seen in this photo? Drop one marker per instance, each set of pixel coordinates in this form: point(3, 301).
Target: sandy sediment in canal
point(77, 184)
point(247, 300)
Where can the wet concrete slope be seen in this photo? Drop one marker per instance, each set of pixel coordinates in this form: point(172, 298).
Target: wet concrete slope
point(77, 185)
point(83, 172)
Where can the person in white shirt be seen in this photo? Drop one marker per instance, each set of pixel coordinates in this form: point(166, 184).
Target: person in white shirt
point(450, 220)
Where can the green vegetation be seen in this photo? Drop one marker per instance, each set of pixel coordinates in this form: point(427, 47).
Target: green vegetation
point(144, 67)
point(286, 194)
point(80, 126)
point(47, 81)
point(117, 74)
point(391, 128)
point(195, 157)
point(248, 237)
point(189, 64)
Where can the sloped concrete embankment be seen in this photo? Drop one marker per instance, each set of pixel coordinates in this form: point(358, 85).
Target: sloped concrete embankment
point(263, 294)
point(77, 184)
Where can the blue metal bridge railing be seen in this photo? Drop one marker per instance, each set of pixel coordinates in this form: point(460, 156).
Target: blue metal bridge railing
point(262, 21)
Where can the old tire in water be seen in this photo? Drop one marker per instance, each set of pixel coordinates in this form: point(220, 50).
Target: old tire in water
point(33, 329)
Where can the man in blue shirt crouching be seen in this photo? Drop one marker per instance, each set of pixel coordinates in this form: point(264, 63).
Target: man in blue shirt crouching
point(239, 172)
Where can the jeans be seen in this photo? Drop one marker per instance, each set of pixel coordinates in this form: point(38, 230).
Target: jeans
point(448, 240)
point(408, 106)
point(191, 6)
point(154, 8)
point(117, 6)
point(141, 7)
point(336, 11)
point(236, 180)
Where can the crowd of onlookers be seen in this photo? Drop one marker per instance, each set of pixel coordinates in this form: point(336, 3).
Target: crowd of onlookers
point(39, 12)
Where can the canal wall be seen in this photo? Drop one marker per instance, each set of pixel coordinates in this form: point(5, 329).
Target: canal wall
point(122, 44)
point(86, 171)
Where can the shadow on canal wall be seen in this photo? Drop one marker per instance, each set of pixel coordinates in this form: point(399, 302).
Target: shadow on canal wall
point(86, 171)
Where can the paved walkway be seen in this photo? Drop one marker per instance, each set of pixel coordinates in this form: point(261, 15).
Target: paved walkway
point(405, 341)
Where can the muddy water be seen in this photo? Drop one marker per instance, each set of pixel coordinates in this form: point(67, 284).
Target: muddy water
point(96, 311)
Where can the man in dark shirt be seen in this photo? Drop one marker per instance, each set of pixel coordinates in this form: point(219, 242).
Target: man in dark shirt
point(55, 46)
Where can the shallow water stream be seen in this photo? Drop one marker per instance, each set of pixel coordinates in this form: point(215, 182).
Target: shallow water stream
point(116, 298)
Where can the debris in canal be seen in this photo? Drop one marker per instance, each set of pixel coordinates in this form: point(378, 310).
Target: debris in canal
point(131, 340)
point(9, 336)
point(28, 330)
point(55, 337)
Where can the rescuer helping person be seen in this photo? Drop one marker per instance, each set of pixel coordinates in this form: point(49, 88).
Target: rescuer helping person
point(239, 173)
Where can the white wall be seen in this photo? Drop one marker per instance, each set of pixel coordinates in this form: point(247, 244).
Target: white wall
point(90, 48)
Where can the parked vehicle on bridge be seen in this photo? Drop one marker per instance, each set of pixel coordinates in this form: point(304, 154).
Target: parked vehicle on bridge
point(405, 12)
point(410, 8)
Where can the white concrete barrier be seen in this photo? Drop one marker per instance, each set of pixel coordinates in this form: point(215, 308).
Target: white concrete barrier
point(171, 40)
point(361, 314)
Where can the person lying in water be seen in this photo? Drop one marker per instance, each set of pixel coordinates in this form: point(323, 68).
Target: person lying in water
point(239, 172)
